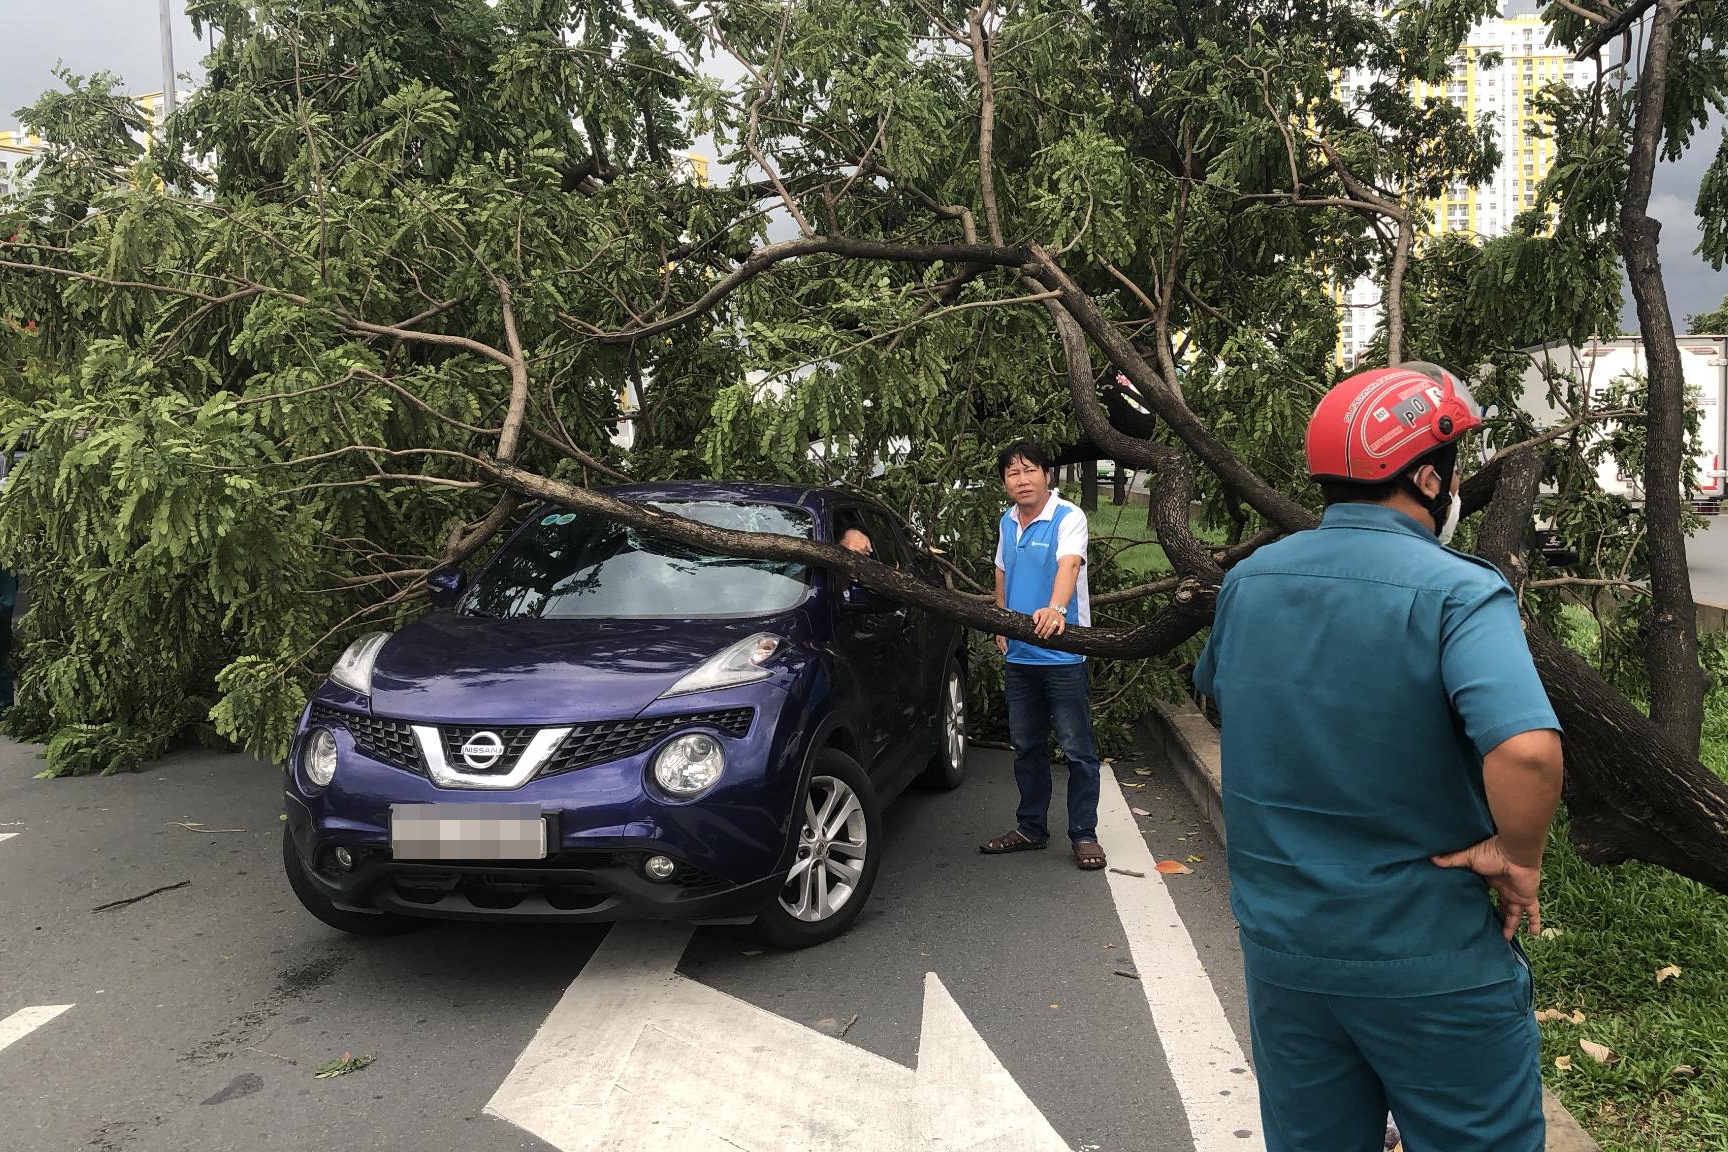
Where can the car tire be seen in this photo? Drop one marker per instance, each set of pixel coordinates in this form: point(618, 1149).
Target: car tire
point(848, 857)
point(948, 767)
point(315, 902)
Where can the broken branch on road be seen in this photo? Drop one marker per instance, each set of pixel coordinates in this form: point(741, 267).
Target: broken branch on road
point(145, 896)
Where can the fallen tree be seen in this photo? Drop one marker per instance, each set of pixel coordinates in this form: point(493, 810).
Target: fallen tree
point(401, 299)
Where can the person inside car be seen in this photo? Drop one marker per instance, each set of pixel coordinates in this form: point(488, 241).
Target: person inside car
point(856, 540)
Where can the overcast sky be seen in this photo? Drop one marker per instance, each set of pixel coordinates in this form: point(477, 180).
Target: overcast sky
point(123, 36)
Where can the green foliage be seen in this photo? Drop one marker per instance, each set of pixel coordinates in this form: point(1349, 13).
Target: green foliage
point(256, 368)
point(1711, 323)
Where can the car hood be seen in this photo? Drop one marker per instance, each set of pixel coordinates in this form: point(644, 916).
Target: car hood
point(466, 669)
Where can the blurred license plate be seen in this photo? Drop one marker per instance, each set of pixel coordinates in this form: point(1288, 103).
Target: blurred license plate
point(467, 832)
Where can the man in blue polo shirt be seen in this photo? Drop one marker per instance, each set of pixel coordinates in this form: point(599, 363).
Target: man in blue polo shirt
point(1389, 758)
point(1041, 573)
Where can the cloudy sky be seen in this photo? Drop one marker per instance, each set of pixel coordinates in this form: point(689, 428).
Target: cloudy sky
point(123, 36)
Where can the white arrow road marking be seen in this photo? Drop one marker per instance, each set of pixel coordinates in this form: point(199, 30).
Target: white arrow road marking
point(7, 835)
point(1198, 1042)
point(636, 1058)
point(25, 1021)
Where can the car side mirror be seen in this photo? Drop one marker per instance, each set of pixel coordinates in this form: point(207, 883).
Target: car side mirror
point(445, 586)
point(859, 598)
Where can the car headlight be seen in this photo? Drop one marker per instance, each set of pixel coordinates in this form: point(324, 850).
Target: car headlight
point(690, 765)
point(353, 668)
point(318, 756)
point(741, 663)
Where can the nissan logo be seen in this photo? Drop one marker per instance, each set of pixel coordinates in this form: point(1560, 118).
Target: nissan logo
point(483, 750)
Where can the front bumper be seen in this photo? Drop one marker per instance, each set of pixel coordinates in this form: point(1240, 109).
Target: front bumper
point(603, 821)
point(574, 886)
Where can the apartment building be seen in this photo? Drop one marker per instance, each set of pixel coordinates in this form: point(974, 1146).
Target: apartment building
point(1501, 67)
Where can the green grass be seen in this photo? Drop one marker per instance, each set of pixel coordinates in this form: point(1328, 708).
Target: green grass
point(1120, 536)
point(1618, 927)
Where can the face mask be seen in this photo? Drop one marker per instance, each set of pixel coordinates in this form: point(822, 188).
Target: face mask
point(1450, 526)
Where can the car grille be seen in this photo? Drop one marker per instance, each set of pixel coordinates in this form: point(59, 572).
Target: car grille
point(389, 741)
point(392, 741)
point(516, 741)
point(605, 740)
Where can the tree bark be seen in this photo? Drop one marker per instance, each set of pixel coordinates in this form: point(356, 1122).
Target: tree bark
point(1677, 683)
point(1089, 486)
point(1119, 485)
point(1632, 793)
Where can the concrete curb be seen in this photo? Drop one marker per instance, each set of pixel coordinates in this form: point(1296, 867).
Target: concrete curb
point(1190, 744)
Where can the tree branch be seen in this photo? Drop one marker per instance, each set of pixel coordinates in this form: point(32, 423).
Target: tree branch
point(1169, 629)
point(979, 40)
point(769, 255)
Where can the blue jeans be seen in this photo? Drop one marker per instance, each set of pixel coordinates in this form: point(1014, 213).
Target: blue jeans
point(1042, 698)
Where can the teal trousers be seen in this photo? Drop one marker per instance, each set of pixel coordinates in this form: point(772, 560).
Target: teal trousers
point(1460, 1072)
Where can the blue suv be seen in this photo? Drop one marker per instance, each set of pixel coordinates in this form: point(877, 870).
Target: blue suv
point(608, 724)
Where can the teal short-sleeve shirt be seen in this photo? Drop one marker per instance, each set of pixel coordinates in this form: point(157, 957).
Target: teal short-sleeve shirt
point(1362, 672)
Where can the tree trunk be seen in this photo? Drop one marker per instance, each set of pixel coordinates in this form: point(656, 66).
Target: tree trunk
point(1089, 486)
point(1631, 792)
point(1671, 646)
point(1119, 486)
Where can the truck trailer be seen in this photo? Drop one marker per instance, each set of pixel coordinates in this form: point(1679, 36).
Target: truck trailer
point(1600, 363)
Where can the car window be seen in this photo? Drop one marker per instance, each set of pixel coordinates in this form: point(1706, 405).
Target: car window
point(883, 538)
point(575, 565)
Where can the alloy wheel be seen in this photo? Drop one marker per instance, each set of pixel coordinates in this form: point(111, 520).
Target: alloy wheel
point(832, 848)
point(954, 719)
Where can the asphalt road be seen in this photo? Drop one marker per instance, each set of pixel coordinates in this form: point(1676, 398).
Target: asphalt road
point(200, 1014)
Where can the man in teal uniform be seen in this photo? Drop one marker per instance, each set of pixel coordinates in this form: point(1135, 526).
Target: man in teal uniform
point(1389, 756)
point(1041, 572)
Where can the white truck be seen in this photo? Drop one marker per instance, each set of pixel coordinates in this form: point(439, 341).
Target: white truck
point(1600, 363)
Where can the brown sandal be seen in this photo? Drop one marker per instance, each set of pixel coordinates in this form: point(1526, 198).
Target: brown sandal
point(1088, 855)
point(1015, 841)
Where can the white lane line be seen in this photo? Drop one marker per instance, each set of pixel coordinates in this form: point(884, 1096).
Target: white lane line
point(1217, 1088)
point(25, 1021)
point(7, 835)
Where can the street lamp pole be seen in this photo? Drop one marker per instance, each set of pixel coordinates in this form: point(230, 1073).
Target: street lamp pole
point(167, 62)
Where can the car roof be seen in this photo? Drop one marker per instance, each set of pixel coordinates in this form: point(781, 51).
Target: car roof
point(817, 500)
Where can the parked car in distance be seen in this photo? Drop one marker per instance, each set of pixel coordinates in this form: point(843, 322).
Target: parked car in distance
point(608, 724)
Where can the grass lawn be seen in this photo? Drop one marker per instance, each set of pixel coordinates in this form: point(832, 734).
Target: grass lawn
point(1666, 1089)
point(1120, 532)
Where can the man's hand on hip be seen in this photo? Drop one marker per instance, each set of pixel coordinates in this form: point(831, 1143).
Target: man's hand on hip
point(1048, 622)
point(1517, 884)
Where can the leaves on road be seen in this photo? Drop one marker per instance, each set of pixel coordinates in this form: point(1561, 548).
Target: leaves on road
point(1139, 811)
point(348, 1063)
point(1174, 868)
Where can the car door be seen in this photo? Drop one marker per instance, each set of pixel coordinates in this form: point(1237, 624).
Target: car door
point(874, 647)
point(914, 684)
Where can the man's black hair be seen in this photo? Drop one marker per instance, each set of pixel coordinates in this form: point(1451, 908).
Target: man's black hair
point(1443, 459)
point(1022, 450)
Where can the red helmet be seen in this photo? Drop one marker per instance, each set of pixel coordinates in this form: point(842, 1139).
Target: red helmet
point(1374, 425)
